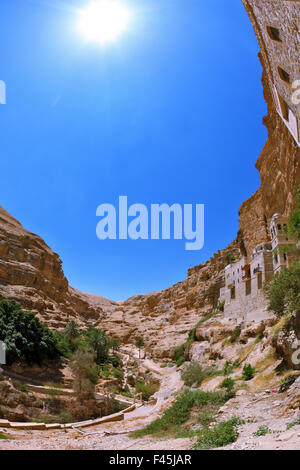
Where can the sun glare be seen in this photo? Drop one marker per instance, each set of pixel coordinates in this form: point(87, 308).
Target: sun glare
point(104, 20)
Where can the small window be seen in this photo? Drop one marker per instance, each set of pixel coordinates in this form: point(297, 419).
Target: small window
point(232, 293)
point(248, 287)
point(274, 33)
point(284, 256)
point(259, 281)
point(284, 75)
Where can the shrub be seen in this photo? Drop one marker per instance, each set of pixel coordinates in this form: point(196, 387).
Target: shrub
point(236, 334)
point(194, 374)
point(293, 423)
point(229, 258)
point(228, 383)
point(24, 335)
point(220, 435)
point(178, 352)
point(20, 386)
point(180, 411)
point(115, 361)
point(294, 222)
point(248, 372)
point(287, 382)
point(180, 361)
point(260, 331)
point(283, 291)
point(262, 431)
point(118, 374)
point(229, 367)
point(146, 388)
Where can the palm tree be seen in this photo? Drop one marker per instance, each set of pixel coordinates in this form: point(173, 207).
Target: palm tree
point(139, 344)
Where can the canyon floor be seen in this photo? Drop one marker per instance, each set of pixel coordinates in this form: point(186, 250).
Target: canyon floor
point(263, 408)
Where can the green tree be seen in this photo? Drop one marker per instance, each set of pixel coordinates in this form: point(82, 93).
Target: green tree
point(24, 335)
point(71, 332)
point(294, 222)
point(139, 344)
point(115, 345)
point(85, 373)
point(99, 343)
point(283, 291)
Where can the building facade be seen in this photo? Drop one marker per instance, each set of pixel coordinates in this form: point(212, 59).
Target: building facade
point(277, 26)
point(243, 294)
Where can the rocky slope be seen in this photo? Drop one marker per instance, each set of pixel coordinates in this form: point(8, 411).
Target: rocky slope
point(31, 274)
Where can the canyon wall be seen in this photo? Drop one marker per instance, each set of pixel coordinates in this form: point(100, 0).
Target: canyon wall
point(31, 273)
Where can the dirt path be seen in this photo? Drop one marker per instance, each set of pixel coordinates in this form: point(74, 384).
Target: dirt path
point(255, 409)
point(111, 435)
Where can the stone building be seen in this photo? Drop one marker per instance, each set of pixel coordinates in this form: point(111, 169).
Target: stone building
point(243, 293)
point(277, 26)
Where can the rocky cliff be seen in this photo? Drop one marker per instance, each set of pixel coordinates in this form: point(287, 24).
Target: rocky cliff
point(279, 170)
point(31, 273)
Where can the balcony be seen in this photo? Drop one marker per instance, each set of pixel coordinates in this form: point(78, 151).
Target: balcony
point(259, 269)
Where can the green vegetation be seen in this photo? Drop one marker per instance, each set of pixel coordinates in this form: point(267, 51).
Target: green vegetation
point(236, 334)
point(228, 383)
point(180, 411)
point(194, 374)
point(248, 372)
point(115, 345)
point(3, 436)
point(180, 352)
point(293, 423)
point(230, 258)
point(20, 386)
point(24, 335)
point(146, 388)
point(260, 332)
point(262, 431)
point(99, 343)
point(220, 435)
point(283, 291)
point(139, 344)
point(287, 382)
point(294, 222)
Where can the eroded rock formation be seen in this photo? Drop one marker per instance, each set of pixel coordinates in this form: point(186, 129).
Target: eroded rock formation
point(31, 273)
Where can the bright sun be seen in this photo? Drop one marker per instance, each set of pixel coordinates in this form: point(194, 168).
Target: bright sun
point(104, 20)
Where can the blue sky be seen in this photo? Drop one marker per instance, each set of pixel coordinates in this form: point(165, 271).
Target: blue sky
point(171, 112)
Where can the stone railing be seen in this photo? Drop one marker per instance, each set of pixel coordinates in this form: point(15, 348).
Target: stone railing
point(4, 423)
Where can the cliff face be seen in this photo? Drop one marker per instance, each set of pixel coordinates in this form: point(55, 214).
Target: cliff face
point(279, 169)
point(31, 274)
